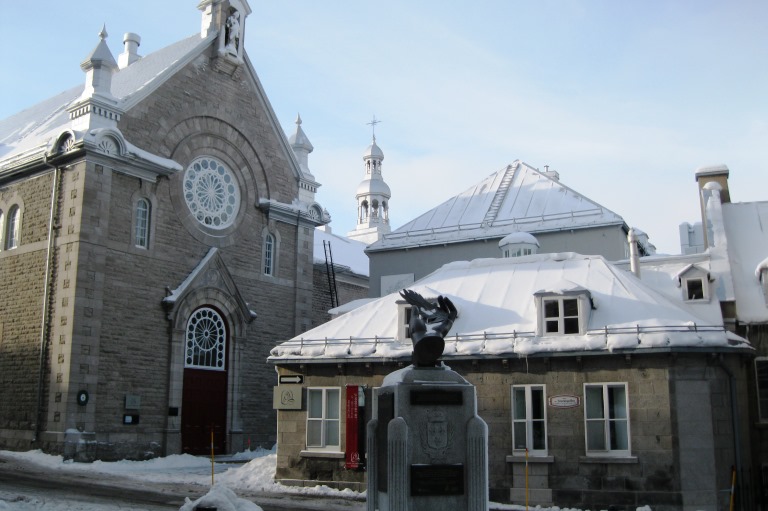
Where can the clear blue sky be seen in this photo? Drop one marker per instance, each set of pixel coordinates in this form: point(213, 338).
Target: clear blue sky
point(625, 99)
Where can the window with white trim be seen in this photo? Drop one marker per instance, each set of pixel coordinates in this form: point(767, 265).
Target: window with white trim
point(206, 340)
point(560, 315)
point(695, 289)
point(323, 412)
point(269, 254)
point(141, 227)
point(606, 419)
point(12, 228)
point(404, 311)
point(529, 420)
point(761, 379)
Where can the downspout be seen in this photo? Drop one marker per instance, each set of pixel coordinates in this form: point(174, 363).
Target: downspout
point(734, 422)
point(46, 298)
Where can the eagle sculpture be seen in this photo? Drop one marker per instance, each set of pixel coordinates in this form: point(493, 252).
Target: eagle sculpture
point(429, 324)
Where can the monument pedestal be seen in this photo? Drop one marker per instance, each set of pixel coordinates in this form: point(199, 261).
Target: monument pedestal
point(427, 447)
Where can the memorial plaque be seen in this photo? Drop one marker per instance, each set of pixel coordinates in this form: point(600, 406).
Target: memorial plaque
point(429, 480)
point(436, 397)
point(386, 412)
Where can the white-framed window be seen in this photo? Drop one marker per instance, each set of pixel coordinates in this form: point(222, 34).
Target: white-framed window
point(404, 311)
point(269, 254)
point(606, 419)
point(323, 412)
point(560, 315)
point(529, 420)
point(206, 340)
point(12, 228)
point(695, 289)
point(141, 226)
point(761, 379)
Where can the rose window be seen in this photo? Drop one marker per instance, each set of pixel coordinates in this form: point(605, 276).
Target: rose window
point(211, 193)
point(205, 340)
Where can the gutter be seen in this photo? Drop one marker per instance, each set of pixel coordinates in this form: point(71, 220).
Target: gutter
point(44, 326)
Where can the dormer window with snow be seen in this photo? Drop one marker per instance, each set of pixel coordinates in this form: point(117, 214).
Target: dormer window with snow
point(403, 321)
point(563, 312)
point(518, 244)
point(694, 282)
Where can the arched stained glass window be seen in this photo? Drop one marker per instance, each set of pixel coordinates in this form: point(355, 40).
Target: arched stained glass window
point(206, 340)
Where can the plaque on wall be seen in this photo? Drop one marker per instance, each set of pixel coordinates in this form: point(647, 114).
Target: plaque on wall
point(429, 480)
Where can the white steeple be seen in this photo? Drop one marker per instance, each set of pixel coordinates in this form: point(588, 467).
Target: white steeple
point(372, 197)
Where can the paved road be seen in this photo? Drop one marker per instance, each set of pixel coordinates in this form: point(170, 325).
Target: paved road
point(24, 480)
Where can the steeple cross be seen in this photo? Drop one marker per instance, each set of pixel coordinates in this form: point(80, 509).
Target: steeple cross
point(373, 124)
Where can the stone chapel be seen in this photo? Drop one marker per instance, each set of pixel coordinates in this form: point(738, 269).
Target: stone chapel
point(157, 235)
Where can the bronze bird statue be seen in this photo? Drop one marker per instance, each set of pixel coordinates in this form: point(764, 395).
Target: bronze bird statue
point(429, 324)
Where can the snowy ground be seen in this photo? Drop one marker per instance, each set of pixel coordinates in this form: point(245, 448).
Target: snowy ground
point(253, 475)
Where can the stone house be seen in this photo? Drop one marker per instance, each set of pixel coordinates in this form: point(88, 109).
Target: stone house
point(607, 390)
point(516, 199)
point(157, 236)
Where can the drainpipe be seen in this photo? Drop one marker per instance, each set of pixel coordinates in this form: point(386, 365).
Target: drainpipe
point(46, 297)
point(734, 422)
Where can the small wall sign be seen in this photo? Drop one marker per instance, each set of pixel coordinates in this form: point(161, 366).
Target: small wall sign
point(564, 401)
point(286, 397)
point(82, 397)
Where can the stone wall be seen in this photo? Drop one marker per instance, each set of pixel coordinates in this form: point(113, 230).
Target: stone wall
point(22, 277)
point(678, 412)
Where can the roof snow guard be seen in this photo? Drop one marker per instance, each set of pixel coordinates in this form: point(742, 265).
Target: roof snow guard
point(498, 316)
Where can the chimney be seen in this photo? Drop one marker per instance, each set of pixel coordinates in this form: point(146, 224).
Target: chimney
point(634, 256)
point(130, 54)
point(704, 175)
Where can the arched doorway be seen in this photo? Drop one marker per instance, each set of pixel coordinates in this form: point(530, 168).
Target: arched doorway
point(204, 398)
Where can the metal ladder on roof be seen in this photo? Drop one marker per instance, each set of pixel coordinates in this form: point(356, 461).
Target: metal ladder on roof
point(501, 192)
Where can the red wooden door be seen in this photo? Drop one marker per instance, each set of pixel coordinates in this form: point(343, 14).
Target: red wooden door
point(204, 408)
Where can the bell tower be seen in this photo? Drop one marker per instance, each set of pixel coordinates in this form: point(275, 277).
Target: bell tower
point(372, 196)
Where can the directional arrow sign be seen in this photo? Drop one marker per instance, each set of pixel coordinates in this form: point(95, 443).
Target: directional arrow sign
point(294, 378)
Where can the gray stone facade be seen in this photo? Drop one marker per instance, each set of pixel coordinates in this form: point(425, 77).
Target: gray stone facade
point(679, 412)
point(116, 314)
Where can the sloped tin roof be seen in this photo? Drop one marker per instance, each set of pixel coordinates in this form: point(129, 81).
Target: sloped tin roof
point(498, 316)
point(37, 126)
point(515, 198)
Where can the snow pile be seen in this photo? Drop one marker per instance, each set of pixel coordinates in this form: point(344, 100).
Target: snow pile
point(222, 499)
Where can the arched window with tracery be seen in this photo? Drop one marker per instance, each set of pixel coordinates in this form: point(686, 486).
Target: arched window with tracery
point(206, 340)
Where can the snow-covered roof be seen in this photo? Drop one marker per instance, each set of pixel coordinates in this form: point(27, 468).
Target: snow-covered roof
point(746, 225)
point(498, 315)
point(516, 198)
point(345, 251)
point(35, 128)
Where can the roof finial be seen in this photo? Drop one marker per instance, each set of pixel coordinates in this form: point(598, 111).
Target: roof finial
point(298, 119)
point(373, 124)
point(103, 34)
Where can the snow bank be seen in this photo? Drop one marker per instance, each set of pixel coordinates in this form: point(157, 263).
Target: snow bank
point(221, 498)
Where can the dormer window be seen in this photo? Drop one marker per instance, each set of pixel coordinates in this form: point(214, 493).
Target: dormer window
point(694, 282)
point(561, 315)
point(404, 311)
point(518, 244)
point(563, 312)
